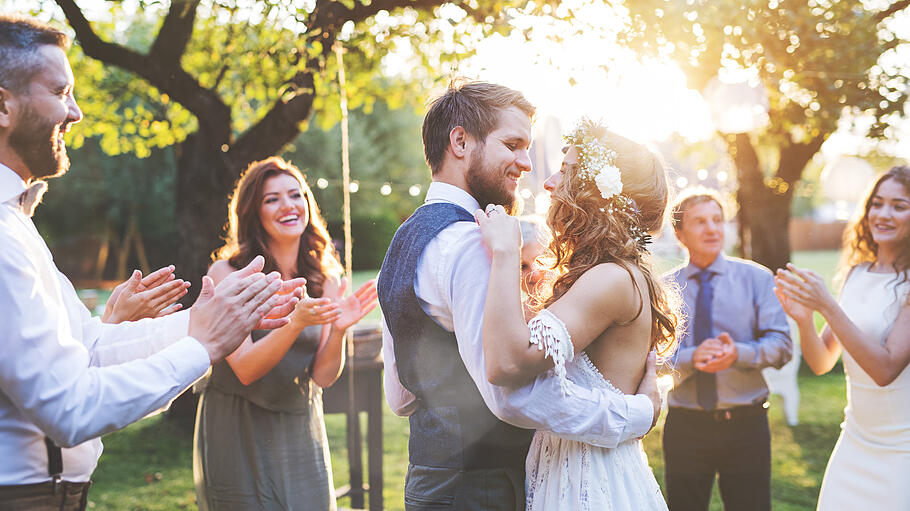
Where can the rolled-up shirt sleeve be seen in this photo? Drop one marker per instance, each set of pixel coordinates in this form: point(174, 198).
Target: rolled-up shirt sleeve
point(48, 372)
point(595, 416)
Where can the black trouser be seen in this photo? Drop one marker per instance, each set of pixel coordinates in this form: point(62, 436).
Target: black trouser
point(65, 496)
point(434, 489)
point(733, 444)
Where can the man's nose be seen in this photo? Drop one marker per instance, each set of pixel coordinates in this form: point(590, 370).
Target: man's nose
point(524, 160)
point(74, 113)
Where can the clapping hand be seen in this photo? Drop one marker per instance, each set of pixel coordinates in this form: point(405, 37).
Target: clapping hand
point(801, 292)
point(224, 315)
point(353, 308)
point(149, 297)
point(715, 354)
point(314, 311)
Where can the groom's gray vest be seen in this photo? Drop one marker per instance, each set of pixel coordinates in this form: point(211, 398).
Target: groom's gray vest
point(451, 427)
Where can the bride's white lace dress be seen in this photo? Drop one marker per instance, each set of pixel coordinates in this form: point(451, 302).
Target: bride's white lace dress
point(566, 474)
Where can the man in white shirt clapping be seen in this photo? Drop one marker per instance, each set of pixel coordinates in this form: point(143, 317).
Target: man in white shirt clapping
point(66, 378)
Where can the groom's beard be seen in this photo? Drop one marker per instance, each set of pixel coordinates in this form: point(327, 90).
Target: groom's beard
point(488, 185)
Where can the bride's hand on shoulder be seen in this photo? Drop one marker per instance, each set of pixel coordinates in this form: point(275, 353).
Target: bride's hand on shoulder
point(501, 232)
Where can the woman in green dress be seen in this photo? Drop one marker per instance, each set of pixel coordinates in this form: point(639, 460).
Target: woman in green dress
point(260, 436)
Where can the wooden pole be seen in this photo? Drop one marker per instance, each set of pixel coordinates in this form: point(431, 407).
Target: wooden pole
point(355, 455)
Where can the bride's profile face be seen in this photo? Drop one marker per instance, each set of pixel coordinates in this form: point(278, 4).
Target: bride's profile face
point(570, 160)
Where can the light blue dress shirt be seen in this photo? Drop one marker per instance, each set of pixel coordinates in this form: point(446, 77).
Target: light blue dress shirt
point(745, 307)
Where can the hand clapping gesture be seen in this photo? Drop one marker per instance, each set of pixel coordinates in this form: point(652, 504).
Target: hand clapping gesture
point(801, 292)
point(353, 308)
point(149, 297)
point(715, 354)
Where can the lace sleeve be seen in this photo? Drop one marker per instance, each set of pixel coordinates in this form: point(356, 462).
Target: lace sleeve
point(549, 333)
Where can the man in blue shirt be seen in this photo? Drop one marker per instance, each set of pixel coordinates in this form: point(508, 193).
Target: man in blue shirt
point(717, 424)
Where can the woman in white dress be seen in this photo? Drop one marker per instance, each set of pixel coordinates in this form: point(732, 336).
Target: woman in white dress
point(598, 317)
point(870, 465)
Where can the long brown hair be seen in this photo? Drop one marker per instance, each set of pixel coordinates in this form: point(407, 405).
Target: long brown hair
point(859, 247)
point(585, 235)
point(246, 237)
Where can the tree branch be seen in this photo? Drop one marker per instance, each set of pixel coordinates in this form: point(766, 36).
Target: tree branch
point(280, 124)
point(213, 115)
point(175, 33)
point(891, 10)
point(795, 156)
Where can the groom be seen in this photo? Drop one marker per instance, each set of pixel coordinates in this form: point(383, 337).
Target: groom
point(469, 438)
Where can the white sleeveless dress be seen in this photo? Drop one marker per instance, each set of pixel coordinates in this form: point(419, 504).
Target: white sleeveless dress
point(570, 475)
point(870, 466)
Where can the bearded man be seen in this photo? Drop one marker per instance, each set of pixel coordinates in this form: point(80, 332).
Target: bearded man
point(66, 378)
point(469, 438)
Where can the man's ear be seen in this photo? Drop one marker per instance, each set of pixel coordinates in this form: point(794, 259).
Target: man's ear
point(458, 141)
point(8, 104)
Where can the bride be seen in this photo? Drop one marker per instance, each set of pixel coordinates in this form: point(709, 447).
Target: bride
point(596, 321)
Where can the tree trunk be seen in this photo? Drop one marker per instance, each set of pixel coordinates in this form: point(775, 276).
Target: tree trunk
point(764, 208)
point(765, 226)
point(205, 178)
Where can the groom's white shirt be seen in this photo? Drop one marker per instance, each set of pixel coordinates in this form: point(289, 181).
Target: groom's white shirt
point(451, 285)
point(52, 382)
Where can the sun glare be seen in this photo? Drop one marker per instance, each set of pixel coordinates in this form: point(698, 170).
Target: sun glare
point(591, 75)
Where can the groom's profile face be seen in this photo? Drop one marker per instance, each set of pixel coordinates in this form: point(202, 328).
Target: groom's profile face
point(497, 164)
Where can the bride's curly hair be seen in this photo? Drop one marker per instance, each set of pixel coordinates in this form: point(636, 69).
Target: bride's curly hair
point(587, 232)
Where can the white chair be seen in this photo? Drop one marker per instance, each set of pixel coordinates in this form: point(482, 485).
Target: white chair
point(783, 381)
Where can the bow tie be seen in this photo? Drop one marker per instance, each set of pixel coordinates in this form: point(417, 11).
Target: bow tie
point(32, 196)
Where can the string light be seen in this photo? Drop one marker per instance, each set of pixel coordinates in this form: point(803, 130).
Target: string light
point(682, 182)
point(722, 177)
point(525, 193)
point(414, 190)
point(386, 189)
point(354, 187)
point(322, 183)
point(702, 174)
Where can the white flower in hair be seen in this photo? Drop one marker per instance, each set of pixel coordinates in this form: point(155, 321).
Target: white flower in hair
point(608, 181)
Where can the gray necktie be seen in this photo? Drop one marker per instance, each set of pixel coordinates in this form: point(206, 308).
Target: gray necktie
point(32, 196)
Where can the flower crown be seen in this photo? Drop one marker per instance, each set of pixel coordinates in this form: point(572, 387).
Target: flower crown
point(597, 163)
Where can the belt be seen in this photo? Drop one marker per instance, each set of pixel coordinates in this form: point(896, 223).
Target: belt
point(54, 493)
point(724, 415)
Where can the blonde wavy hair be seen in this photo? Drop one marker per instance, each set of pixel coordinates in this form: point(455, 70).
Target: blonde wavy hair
point(586, 233)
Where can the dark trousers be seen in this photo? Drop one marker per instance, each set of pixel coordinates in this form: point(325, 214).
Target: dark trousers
point(734, 446)
point(433, 488)
point(44, 497)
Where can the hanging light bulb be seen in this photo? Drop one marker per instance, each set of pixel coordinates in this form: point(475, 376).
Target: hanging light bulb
point(322, 183)
point(385, 189)
point(702, 174)
point(682, 182)
point(722, 176)
point(414, 190)
point(354, 187)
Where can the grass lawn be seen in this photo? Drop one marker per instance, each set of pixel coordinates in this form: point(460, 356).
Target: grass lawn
point(148, 466)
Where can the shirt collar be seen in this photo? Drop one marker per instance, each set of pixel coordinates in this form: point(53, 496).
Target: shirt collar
point(444, 192)
point(717, 267)
point(11, 185)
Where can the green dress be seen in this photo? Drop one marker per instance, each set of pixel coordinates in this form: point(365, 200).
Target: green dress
point(264, 446)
